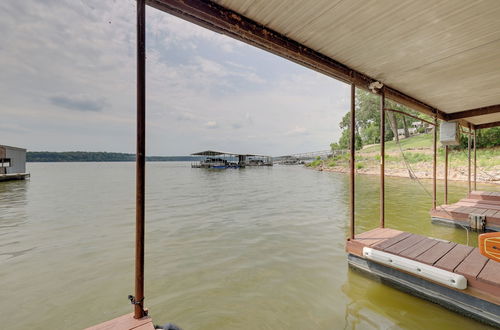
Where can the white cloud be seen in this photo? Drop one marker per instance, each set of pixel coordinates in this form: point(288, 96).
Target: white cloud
point(211, 124)
point(297, 131)
point(61, 56)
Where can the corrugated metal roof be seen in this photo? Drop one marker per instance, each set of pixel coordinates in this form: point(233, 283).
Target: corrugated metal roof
point(217, 153)
point(444, 53)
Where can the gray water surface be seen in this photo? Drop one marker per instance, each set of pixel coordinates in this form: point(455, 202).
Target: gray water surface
point(255, 248)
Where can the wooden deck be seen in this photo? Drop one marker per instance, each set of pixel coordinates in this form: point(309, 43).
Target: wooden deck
point(481, 298)
point(125, 322)
point(478, 202)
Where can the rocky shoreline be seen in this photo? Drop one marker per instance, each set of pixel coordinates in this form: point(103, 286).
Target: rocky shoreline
point(422, 171)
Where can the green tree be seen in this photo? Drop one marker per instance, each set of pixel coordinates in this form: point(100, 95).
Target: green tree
point(367, 106)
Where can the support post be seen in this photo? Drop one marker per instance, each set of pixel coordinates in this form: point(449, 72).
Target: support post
point(446, 174)
point(382, 159)
point(469, 159)
point(475, 162)
point(352, 168)
point(434, 164)
point(140, 160)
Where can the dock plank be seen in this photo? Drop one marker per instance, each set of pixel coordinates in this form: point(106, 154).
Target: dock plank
point(472, 265)
point(391, 241)
point(490, 272)
point(125, 322)
point(453, 258)
point(377, 235)
point(404, 244)
point(419, 248)
point(435, 253)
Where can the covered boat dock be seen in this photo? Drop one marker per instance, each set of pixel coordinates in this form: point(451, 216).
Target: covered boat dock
point(441, 58)
point(221, 160)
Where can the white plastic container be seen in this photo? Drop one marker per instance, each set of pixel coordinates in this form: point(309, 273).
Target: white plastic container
point(449, 133)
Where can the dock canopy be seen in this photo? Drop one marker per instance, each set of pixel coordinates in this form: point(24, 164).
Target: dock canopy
point(219, 153)
point(438, 57)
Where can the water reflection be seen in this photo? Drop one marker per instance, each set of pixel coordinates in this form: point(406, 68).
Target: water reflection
point(239, 249)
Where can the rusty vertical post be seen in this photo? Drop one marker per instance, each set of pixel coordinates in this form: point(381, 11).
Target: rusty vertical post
point(468, 156)
point(352, 168)
point(434, 164)
point(446, 174)
point(140, 160)
point(475, 161)
point(382, 159)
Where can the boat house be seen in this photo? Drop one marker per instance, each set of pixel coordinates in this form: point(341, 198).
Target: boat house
point(439, 58)
point(12, 163)
point(221, 160)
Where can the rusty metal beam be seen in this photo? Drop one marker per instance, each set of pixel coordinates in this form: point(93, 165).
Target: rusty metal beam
point(474, 112)
point(138, 300)
point(352, 173)
point(446, 174)
point(214, 17)
point(475, 160)
point(410, 115)
point(488, 125)
point(468, 160)
point(434, 165)
point(382, 159)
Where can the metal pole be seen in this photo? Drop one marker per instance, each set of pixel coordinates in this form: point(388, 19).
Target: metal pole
point(446, 174)
point(140, 160)
point(468, 155)
point(382, 159)
point(475, 162)
point(353, 151)
point(434, 165)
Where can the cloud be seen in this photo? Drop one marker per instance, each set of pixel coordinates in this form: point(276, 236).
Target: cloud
point(201, 86)
point(297, 131)
point(211, 124)
point(186, 116)
point(78, 102)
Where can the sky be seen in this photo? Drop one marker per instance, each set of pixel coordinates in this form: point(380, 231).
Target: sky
point(68, 77)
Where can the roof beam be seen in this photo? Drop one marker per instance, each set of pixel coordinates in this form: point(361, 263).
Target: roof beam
point(488, 125)
point(222, 20)
point(474, 112)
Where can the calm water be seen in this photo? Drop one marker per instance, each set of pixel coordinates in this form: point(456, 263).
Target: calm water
point(257, 248)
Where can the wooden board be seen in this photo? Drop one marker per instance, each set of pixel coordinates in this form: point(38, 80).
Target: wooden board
point(125, 322)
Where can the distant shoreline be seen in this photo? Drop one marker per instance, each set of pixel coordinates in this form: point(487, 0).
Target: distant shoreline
point(85, 156)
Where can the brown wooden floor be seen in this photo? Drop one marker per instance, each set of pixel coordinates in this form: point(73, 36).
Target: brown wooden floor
point(125, 322)
point(483, 274)
point(478, 202)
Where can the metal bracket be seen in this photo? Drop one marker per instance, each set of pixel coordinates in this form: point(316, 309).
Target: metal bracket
point(135, 302)
point(477, 222)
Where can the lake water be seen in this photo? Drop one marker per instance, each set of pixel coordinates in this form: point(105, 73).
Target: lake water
point(255, 248)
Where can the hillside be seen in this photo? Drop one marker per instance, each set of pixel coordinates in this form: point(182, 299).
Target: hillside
point(416, 153)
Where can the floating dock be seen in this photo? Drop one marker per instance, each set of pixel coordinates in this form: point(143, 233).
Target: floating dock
point(479, 203)
point(453, 275)
point(15, 176)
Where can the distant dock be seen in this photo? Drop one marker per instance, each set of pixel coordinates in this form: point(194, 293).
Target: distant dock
point(12, 163)
point(223, 160)
point(11, 177)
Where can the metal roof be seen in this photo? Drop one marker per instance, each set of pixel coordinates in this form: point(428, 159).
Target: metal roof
point(437, 56)
point(217, 153)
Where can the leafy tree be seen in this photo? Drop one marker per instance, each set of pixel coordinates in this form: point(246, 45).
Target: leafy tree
point(368, 121)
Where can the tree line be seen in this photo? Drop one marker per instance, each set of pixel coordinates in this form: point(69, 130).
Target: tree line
point(367, 124)
point(85, 156)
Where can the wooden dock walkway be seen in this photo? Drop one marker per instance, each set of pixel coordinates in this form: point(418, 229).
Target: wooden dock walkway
point(125, 322)
point(477, 202)
point(419, 256)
